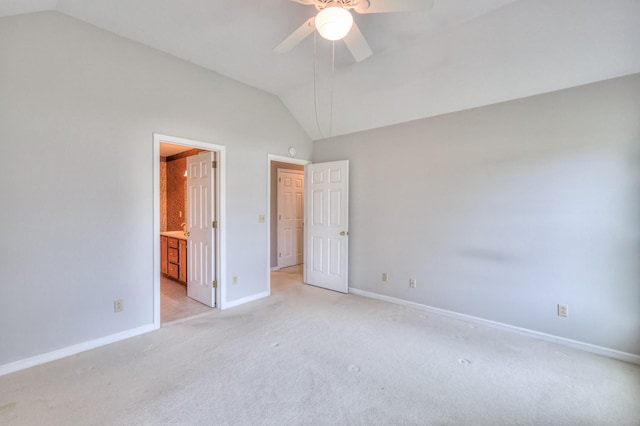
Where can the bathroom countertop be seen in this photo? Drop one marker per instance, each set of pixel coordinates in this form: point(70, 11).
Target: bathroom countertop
point(174, 234)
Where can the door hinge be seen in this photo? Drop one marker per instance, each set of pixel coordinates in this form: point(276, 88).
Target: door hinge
point(214, 284)
point(280, 254)
point(214, 164)
point(214, 224)
point(279, 179)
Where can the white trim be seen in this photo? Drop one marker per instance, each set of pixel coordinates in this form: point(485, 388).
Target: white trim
point(275, 268)
point(587, 347)
point(220, 241)
point(156, 235)
point(247, 299)
point(221, 249)
point(282, 159)
point(73, 350)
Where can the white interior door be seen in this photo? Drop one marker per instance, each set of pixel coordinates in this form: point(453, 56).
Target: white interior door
point(200, 252)
point(327, 227)
point(290, 217)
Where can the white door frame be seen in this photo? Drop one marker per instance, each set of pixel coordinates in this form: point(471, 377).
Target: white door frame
point(221, 236)
point(282, 159)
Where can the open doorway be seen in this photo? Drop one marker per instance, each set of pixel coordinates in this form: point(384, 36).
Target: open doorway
point(175, 303)
point(188, 227)
point(286, 215)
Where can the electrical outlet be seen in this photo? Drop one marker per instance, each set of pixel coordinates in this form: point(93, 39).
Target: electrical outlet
point(563, 310)
point(235, 279)
point(117, 305)
point(385, 277)
point(412, 282)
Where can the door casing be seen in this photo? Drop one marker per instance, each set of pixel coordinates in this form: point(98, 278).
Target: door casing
point(221, 235)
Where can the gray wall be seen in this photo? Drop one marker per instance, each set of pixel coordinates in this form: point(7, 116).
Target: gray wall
point(78, 109)
point(502, 212)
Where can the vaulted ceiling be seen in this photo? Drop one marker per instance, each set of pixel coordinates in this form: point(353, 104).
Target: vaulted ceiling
point(460, 54)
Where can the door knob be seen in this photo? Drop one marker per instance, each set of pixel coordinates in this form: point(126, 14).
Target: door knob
point(342, 234)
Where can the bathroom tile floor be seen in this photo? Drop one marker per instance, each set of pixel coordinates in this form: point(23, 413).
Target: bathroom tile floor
point(175, 304)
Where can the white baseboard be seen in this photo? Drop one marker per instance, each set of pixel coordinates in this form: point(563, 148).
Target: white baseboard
point(246, 299)
point(92, 344)
point(72, 350)
point(587, 347)
point(275, 268)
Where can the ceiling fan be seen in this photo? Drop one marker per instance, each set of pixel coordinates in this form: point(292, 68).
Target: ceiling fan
point(335, 22)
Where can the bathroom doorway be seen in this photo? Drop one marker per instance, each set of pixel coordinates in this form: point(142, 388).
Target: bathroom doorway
point(188, 211)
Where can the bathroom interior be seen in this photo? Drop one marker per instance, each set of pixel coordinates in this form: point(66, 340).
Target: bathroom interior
point(175, 305)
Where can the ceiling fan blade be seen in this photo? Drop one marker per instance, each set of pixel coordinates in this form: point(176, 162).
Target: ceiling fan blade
point(357, 44)
point(385, 6)
point(302, 32)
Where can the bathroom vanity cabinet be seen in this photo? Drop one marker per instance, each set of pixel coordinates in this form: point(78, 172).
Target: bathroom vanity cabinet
point(173, 257)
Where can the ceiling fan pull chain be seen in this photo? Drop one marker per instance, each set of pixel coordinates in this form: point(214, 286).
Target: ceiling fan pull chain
point(333, 71)
point(315, 85)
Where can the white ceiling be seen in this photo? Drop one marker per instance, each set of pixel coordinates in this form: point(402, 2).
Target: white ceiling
point(459, 55)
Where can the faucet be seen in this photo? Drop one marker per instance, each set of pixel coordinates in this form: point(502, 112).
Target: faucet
point(184, 227)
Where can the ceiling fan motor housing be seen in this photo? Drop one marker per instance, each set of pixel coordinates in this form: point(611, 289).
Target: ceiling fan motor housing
point(345, 4)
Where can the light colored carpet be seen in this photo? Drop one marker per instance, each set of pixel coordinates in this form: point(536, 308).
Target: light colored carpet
point(312, 356)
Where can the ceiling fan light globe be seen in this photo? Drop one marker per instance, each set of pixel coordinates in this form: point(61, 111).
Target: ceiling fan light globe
point(334, 23)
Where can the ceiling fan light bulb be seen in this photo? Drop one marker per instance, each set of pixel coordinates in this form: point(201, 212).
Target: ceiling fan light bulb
point(334, 22)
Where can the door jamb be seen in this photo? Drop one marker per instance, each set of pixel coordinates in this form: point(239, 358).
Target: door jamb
point(281, 159)
point(221, 235)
